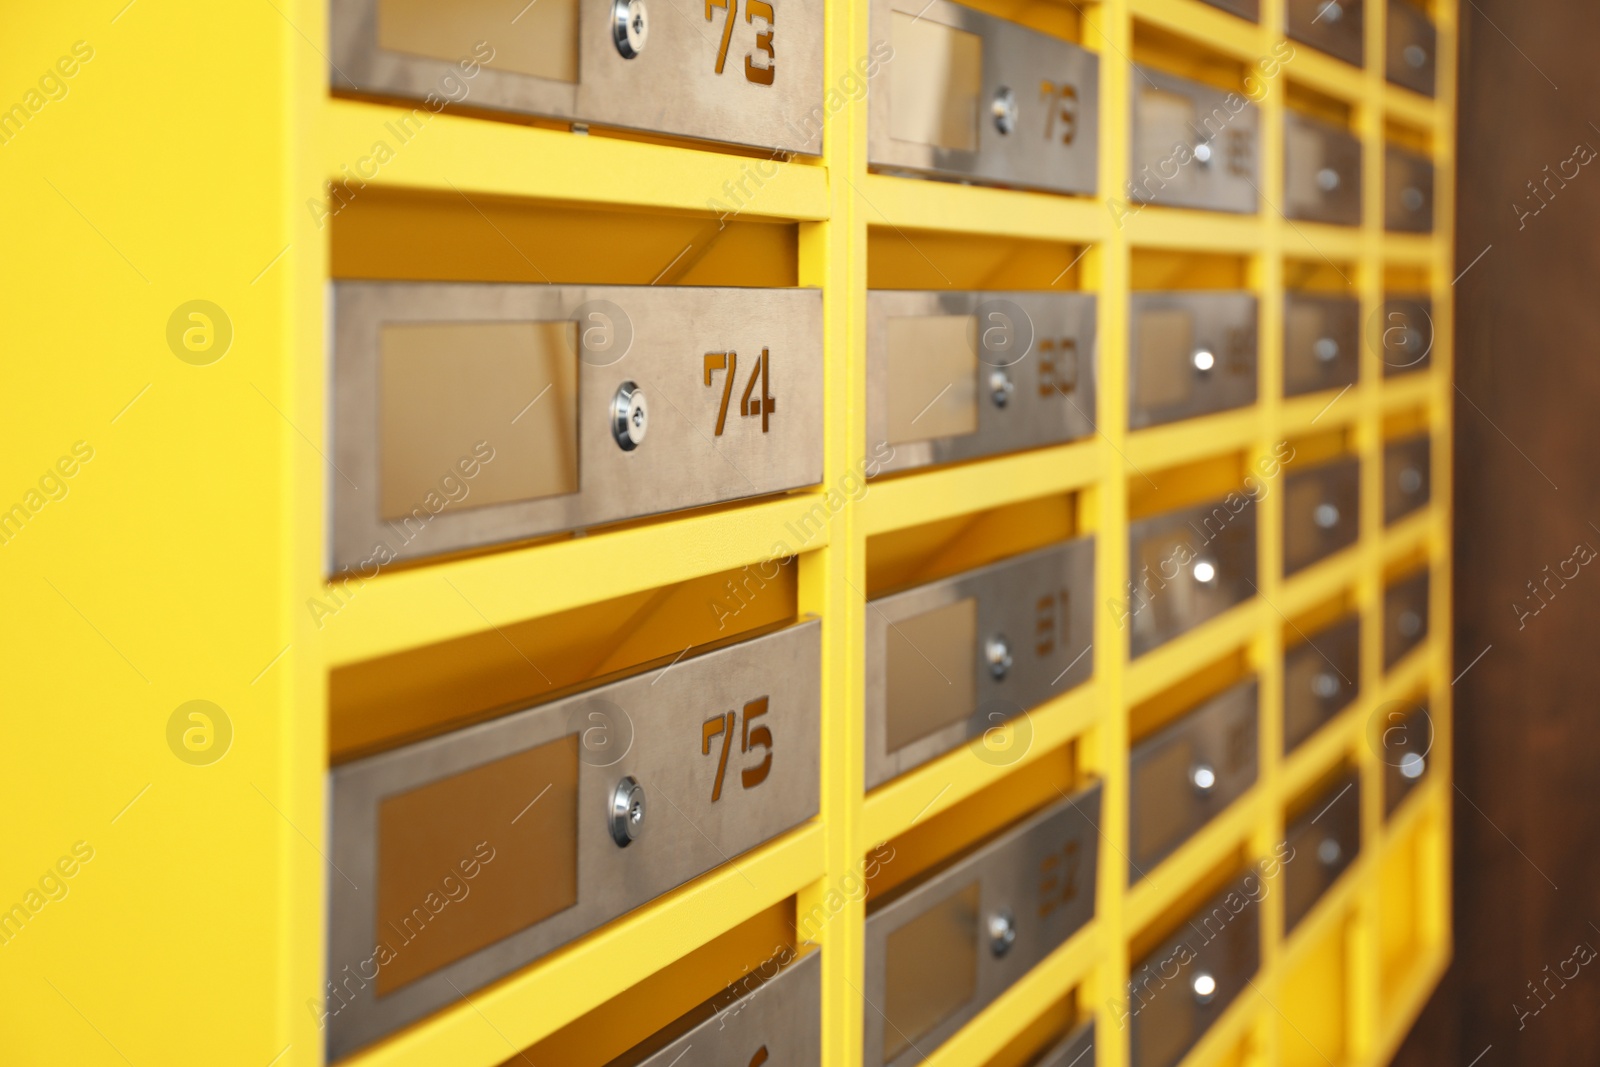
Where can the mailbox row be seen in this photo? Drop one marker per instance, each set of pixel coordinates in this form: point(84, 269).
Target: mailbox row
point(952, 90)
point(460, 858)
point(465, 415)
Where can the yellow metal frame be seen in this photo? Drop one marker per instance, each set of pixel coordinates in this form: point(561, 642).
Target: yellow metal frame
point(180, 564)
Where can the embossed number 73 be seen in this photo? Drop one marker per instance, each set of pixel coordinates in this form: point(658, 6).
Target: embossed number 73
point(753, 9)
point(750, 739)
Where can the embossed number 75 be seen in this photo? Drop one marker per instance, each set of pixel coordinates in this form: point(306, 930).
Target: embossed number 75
point(751, 739)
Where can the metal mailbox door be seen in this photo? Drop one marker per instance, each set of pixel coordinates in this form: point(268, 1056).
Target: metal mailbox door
point(1405, 617)
point(1321, 677)
point(1407, 476)
point(1190, 354)
point(1325, 841)
point(1407, 191)
point(1074, 1050)
point(1405, 334)
point(775, 1022)
point(957, 376)
point(466, 415)
point(1406, 746)
point(949, 660)
point(1186, 774)
point(1336, 27)
point(458, 859)
point(1188, 566)
point(746, 74)
point(1411, 54)
point(1321, 172)
point(979, 98)
point(1321, 342)
point(1182, 987)
point(1245, 9)
point(1321, 512)
point(939, 950)
point(1192, 145)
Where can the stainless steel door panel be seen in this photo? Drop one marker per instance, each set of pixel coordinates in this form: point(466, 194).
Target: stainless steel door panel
point(724, 749)
point(1404, 336)
point(1321, 343)
point(1411, 53)
point(1074, 1050)
point(1325, 840)
point(730, 381)
point(957, 376)
point(1191, 354)
point(1245, 9)
point(1192, 145)
point(1188, 566)
point(1321, 676)
point(750, 76)
point(1181, 988)
point(979, 98)
point(1183, 776)
point(1407, 476)
point(1407, 191)
point(1336, 27)
point(927, 695)
point(1321, 172)
point(771, 1023)
point(1321, 512)
point(996, 912)
point(1405, 617)
point(1406, 748)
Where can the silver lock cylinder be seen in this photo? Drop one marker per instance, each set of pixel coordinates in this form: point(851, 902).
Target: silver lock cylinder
point(1204, 987)
point(997, 652)
point(1412, 198)
point(630, 27)
point(1410, 480)
point(1410, 623)
point(1329, 851)
point(627, 812)
point(1325, 685)
point(630, 416)
point(1203, 153)
point(1416, 56)
point(1412, 766)
point(1000, 388)
point(1326, 516)
point(1203, 777)
point(1004, 109)
point(1327, 179)
point(1330, 12)
point(1203, 359)
point(1326, 349)
point(1204, 571)
point(1002, 927)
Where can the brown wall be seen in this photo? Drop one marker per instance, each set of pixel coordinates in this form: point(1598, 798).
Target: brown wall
point(1527, 469)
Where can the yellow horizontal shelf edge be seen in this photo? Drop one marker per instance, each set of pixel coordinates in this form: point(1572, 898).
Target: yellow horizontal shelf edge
point(491, 1025)
point(1408, 390)
point(1317, 754)
point(1409, 250)
point(1317, 583)
point(1182, 656)
point(1411, 108)
point(1196, 231)
point(921, 204)
point(1407, 534)
point(1192, 439)
point(1026, 999)
point(1207, 25)
point(911, 499)
point(436, 602)
point(1322, 72)
point(1329, 410)
point(893, 808)
point(1319, 242)
point(450, 152)
point(1335, 904)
